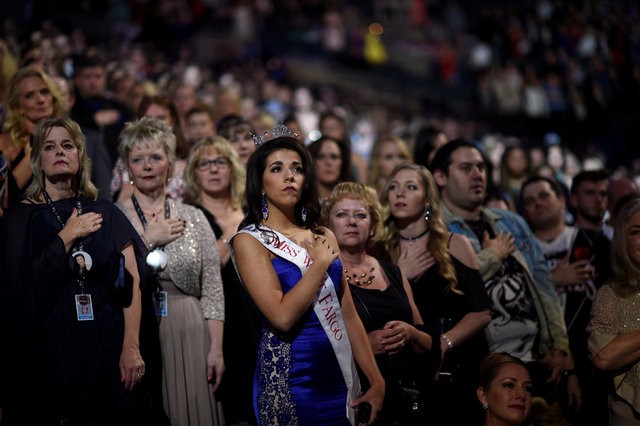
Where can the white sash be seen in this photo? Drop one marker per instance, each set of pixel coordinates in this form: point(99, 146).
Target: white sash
point(326, 306)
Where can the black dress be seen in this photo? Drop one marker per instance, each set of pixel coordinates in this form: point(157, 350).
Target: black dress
point(54, 367)
point(375, 308)
point(242, 327)
point(434, 301)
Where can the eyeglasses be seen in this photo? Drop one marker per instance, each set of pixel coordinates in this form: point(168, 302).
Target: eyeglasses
point(219, 162)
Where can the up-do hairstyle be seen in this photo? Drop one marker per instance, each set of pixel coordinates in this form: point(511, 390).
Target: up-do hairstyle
point(588, 176)
point(491, 365)
point(256, 166)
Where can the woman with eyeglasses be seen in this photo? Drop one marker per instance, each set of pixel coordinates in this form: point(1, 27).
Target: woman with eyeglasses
point(188, 298)
point(215, 179)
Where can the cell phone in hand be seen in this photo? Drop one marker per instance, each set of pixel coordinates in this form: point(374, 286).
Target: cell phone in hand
point(364, 412)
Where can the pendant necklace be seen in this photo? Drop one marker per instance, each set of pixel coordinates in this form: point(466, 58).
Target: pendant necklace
point(80, 260)
point(363, 280)
point(157, 259)
point(412, 239)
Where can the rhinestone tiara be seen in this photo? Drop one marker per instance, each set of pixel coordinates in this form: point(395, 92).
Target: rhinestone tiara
point(280, 130)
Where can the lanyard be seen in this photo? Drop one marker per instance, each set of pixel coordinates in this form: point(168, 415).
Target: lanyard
point(59, 218)
point(77, 247)
point(140, 213)
point(157, 259)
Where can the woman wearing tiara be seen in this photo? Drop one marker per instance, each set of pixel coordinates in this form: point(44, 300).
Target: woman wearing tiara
point(305, 372)
point(189, 296)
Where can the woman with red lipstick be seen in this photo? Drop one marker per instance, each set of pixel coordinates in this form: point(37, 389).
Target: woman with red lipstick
point(446, 285)
point(215, 184)
point(31, 96)
point(183, 256)
point(504, 390)
point(383, 300)
point(311, 333)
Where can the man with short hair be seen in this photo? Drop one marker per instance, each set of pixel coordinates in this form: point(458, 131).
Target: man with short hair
point(100, 117)
point(200, 122)
point(580, 263)
point(589, 200)
point(527, 319)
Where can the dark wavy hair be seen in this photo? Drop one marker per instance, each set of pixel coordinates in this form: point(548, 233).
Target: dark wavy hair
point(253, 188)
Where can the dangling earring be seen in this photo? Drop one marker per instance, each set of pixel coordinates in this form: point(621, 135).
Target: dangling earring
point(265, 209)
point(303, 213)
point(130, 181)
point(485, 405)
point(427, 215)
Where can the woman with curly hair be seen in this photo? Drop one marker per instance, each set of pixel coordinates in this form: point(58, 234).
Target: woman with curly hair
point(383, 300)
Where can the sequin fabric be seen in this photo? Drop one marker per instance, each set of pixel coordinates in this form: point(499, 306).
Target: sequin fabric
point(275, 404)
point(613, 315)
point(193, 260)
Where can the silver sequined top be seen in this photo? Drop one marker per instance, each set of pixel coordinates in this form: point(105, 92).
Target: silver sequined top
point(193, 260)
point(611, 316)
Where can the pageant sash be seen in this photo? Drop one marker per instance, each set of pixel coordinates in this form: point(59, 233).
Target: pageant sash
point(326, 306)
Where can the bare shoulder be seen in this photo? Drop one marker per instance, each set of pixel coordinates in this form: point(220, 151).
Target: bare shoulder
point(461, 248)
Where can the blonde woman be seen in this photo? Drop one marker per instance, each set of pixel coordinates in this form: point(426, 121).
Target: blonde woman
point(387, 152)
point(447, 287)
point(614, 332)
point(31, 96)
point(383, 300)
point(184, 256)
point(75, 331)
point(215, 180)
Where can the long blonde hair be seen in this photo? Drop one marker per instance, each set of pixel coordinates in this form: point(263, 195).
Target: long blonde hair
point(438, 234)
point(226, 150)
point(84, 185)
point(14, 122)
point(374, 180)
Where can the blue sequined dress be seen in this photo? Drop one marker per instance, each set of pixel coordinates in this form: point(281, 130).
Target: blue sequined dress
point(298, 380)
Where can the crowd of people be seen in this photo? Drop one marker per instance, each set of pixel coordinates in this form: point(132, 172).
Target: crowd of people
point(189, 244)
